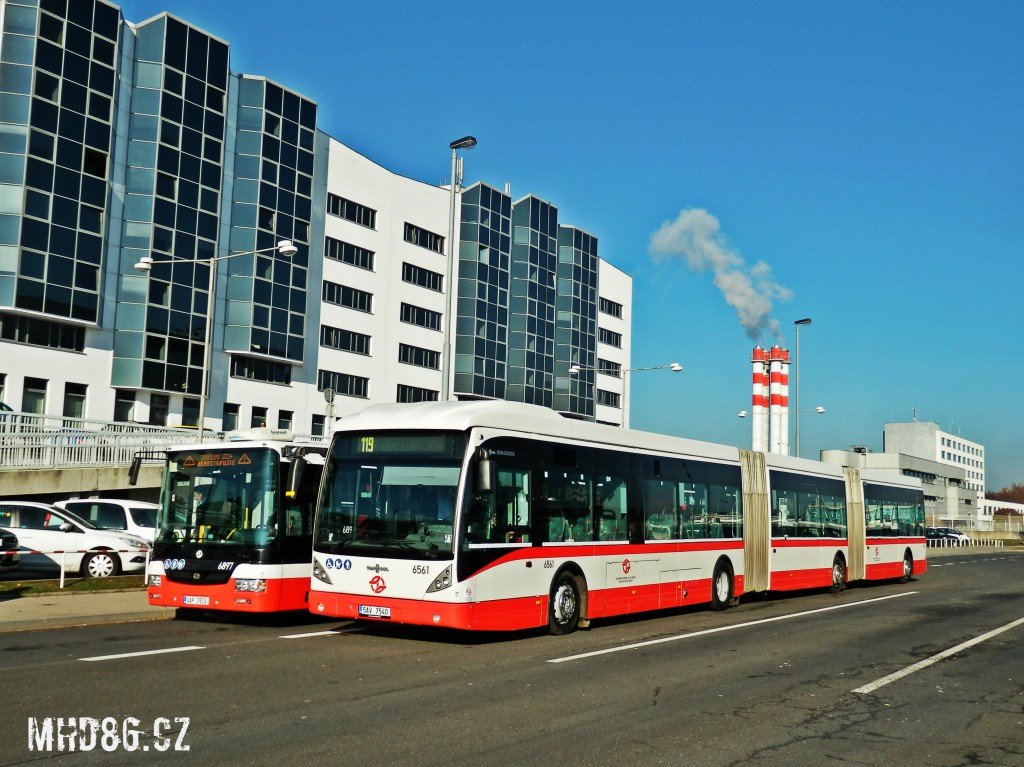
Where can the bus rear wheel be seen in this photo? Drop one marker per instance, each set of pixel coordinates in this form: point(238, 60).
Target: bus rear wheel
point(908, 568)
point(721, 586)
point(838, 574)
point(564, 605)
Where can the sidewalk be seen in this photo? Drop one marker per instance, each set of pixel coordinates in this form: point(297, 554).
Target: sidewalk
point(78, 609)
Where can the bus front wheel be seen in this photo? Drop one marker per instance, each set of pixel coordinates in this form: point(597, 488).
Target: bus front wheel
point(564, 604)
point(908, 568)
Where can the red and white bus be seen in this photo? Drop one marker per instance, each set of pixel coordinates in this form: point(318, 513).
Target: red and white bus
point(497, 516)
point(235, 524)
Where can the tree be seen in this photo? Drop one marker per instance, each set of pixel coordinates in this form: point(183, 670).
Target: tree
point(1013, 494)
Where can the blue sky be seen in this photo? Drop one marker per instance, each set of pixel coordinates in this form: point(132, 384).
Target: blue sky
point(869, 154)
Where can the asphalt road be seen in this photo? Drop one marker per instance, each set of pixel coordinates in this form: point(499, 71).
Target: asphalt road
point(772, 682)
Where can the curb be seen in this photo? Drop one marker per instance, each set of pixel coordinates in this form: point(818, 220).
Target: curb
point(81, 621)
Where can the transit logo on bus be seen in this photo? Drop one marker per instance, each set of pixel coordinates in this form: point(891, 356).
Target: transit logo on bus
point(626, 565)
point(377, 584)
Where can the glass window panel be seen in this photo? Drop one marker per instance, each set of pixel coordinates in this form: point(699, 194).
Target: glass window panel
point(18, 49)
point(14, 108)
point(145, 101)
point(15, 78)
point(148, 75)
point(21, 21)
point(12, 169)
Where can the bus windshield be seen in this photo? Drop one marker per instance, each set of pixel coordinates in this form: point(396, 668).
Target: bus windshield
point(390, 498)
point(220, 495)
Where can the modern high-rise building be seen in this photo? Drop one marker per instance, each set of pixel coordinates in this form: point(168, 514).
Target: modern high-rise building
point(122, 141)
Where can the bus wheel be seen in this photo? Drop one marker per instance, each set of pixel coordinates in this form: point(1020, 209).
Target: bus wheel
point(838, 574)
point(564, 604)
point(908, 568)
point(721, 586)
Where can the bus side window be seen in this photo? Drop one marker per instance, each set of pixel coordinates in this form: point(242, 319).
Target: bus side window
point(513, 512)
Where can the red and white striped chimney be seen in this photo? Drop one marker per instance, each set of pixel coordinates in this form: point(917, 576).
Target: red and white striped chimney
point(778, 400)
point(759, 401)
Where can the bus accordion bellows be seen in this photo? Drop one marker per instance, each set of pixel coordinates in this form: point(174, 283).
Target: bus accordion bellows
point(498, 516)
point(235, 524)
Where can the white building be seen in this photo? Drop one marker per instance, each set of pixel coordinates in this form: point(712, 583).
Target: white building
point(926, 440)
point(169, 154)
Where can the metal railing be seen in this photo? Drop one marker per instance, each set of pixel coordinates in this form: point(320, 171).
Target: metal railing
point(954, 543)
point(31, 441)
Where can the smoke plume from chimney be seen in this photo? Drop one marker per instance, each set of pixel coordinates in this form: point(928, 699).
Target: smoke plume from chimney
point(695, 238)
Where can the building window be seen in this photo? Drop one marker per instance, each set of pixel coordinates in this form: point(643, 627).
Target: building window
point(417, 275)
point(610, 307)
point(344, 340)
point(608, 398)
point(415, 394)
point(3, 386)
point(350, 254)
point(256, 369)
point(74, 400)
point(351, 211)
point(159, 404)
point(284, 419)
point(608, 368)
point(343, 383)
point(33, 396)
point(350, 298)
point(190, 411)
point(37, 332)
point(417, 315)
point(609, 337)
point(424, 238)
point(230, 421)
point(414, 355)
point(259, 418)
point(316, 428)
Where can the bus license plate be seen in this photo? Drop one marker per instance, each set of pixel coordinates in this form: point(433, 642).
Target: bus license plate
point(375, 611)
point(195, 601)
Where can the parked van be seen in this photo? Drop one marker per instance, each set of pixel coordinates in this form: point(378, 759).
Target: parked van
point(135, 517)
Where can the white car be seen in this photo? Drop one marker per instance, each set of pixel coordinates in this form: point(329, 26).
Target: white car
point(135, 517)
point(50, 538)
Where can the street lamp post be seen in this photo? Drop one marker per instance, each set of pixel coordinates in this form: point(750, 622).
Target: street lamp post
point(675, 367)
point(466, 142)
point(797, 324)
point(145, 264)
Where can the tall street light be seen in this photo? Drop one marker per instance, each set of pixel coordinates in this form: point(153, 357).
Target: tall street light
point(285, 248)
point(675, 367)
point(466, 142)
point(797, 324)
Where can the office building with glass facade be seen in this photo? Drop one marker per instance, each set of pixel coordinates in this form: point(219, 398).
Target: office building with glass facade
point(120, 141)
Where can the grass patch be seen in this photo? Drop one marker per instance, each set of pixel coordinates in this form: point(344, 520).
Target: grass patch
point(11, 586)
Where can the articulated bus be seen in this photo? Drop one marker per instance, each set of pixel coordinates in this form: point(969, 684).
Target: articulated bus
point(235, 524)
point(499, 516)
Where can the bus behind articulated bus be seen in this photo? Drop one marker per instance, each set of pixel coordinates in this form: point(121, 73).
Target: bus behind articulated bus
point(234, 528)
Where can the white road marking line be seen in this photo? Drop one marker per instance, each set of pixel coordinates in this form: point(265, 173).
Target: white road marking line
point(146, 652)
point(936, 658)
point(309, 634)
point(332, 632)
point(746, 624)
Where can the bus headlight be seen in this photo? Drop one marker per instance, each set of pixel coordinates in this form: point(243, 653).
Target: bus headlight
point(319, 573)
point(441, 582)
point(156, 580)
point(250, 584)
